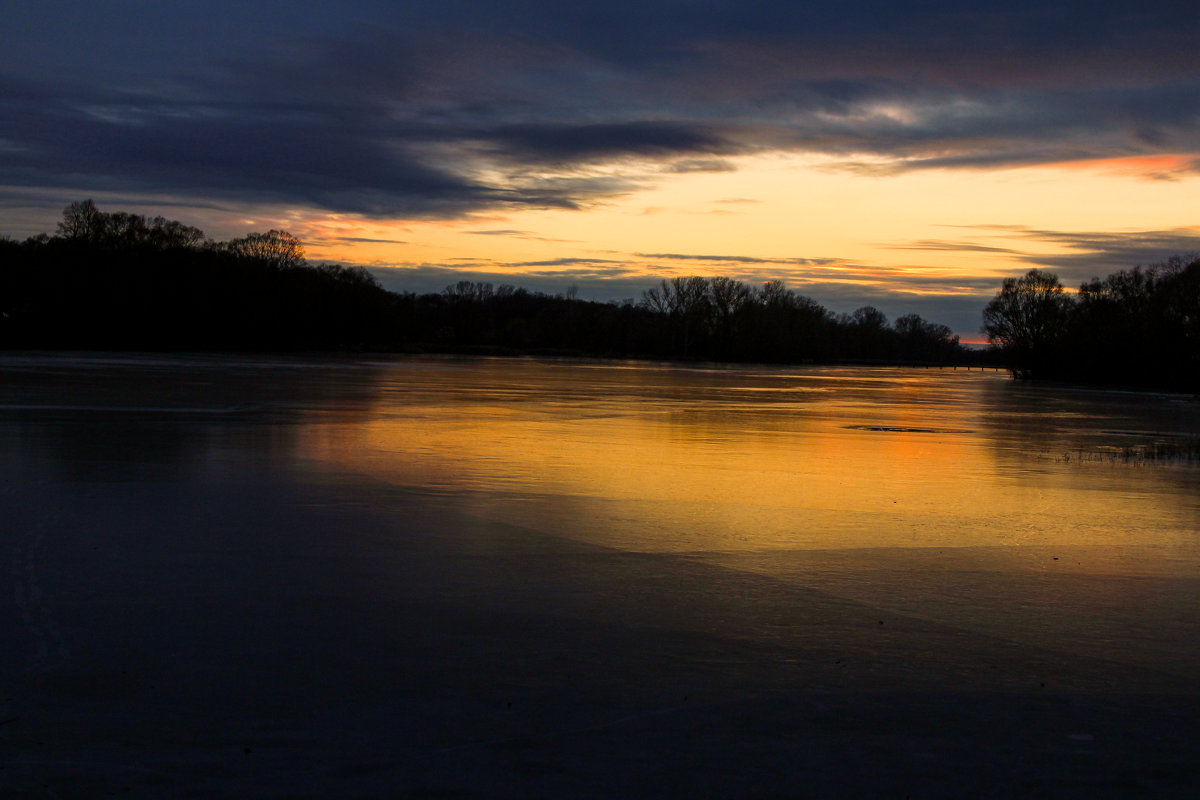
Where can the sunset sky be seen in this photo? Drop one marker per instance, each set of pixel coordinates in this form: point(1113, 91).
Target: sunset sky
point(907, 155)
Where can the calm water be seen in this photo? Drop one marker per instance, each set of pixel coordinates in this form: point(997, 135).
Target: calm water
point(646, 457)
point(811, 473)
point(363, 567)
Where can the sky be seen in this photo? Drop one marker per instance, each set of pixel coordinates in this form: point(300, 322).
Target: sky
point(908, 155)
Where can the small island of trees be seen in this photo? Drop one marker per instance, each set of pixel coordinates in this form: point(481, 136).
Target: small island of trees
point(1139, 327)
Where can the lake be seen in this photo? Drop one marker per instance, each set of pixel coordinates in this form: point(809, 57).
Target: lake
point(289, 577)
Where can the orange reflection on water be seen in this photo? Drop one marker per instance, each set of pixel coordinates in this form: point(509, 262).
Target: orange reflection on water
point(700, 460)
point(935, 498)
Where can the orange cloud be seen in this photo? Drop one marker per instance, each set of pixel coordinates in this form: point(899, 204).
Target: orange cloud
point(1162, 167)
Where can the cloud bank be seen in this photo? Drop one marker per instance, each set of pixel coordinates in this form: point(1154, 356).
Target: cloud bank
point(426, 111)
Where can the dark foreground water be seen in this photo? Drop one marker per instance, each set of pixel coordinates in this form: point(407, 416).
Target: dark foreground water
point(497, 578)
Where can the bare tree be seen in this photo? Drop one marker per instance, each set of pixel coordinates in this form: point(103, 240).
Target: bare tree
point(169, 233)
point(276, 248)
point(82, 221)
point(1026, 318)
point(469, 292)
point(775, 294)
point(658, 298)
point(727, 296)
point(869, 318)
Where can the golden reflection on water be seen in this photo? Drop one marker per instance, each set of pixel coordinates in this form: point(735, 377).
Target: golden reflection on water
point(666, 459)
point(961, 499)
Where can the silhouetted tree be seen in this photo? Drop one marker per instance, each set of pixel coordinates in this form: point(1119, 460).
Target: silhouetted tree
point(685, 302)
point(169, 233)
point(82, 222)
point(775, 294)
point(275, 248)
point(1181, 312)
point(469, 292)
point(1027, 318)
point(121, 280)
point(726, 299)
point(924, 341)
point(1132, 327)
point(870, 318)
point(868, 335)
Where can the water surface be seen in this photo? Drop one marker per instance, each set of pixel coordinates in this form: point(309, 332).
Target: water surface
point(364, 566)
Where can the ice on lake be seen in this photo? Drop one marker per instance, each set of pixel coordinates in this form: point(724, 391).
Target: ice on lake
point(291, 577)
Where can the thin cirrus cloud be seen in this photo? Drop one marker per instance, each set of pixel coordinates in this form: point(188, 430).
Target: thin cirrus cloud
point(366, 240)
point(1088, 254)
point(739, 259)
point(411, 110)
point(1098, 253)
point(950, 246)
point(511, 233)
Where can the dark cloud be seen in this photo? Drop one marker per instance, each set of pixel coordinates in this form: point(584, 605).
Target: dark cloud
point(1097, 254)
point(406, 109)
point(1089, 253)
point(576, 144)
point(260, 154)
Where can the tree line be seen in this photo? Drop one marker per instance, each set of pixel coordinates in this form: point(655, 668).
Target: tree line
point(120, 281)
point(116, 280)
point(1138, 327)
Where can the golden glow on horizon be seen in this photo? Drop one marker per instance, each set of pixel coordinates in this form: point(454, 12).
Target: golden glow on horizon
point(798, 218)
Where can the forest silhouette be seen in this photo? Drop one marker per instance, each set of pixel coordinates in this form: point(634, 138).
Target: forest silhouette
point(1138, 327)
point(121, 281)
point(124, 281)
